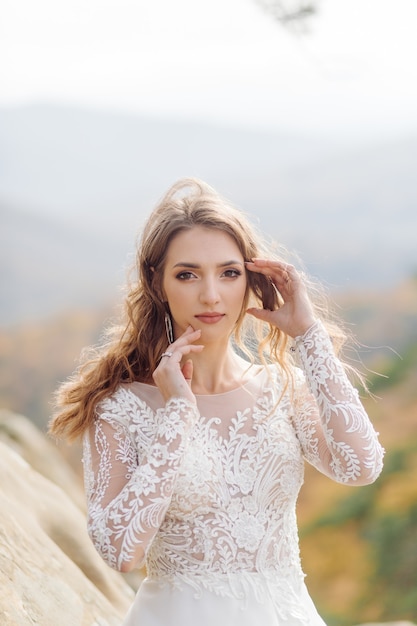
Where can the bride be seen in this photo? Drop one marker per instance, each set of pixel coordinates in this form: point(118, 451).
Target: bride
point(197, 417)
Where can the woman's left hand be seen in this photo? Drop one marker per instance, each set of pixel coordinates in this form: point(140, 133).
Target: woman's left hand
point(296, 315)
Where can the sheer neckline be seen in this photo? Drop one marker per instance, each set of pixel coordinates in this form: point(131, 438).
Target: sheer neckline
point(242, 387)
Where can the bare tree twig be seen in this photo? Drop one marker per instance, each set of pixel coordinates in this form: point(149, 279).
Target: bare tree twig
point(293, 13)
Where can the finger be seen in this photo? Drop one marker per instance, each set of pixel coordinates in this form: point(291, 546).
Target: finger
point(175, 354)
point(283, 275)
point(187, 371)
point(184, 350)
point(268, 263)
point(271, 268)
point(262, 314)
point(188, 336)
point(189, 330)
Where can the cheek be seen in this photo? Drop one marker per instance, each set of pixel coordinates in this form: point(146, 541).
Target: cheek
point(178, 298)
point(240, 296)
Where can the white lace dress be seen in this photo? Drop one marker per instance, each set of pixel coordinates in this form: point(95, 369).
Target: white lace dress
point(208, 493)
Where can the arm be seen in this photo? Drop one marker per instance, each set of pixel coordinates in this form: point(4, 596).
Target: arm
point(131, 462)
point(131, 466)
point(335, 432)
point(332, 425)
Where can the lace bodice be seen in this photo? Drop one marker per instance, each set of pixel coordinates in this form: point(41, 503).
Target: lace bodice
point(204, 492)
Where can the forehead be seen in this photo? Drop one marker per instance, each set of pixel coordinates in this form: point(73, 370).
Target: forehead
point(199, 244)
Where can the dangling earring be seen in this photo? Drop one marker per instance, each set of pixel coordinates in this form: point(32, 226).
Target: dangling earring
point(168, 328)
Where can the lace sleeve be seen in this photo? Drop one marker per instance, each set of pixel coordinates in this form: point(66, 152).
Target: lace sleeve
point(131, 460)
point(335, 432)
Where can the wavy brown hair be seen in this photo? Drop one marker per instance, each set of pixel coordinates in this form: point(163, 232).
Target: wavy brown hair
point(132, 348)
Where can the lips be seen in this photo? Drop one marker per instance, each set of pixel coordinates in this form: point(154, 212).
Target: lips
point(210, 317)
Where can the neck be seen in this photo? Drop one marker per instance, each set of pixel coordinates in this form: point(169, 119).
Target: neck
point(217, 370)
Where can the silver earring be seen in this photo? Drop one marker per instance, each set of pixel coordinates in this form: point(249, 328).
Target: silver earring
point(168, 328)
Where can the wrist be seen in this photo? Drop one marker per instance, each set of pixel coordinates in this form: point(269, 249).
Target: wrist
point(303, 328)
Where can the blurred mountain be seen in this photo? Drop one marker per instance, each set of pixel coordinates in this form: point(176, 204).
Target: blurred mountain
point(75, 186)
point(46, 267)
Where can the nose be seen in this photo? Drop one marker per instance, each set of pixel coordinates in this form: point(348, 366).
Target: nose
point(209, 292)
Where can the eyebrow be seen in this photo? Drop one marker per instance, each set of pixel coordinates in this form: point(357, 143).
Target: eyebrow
point(196, 266)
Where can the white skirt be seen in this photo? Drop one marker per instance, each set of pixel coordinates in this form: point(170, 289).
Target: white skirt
point(262, 602)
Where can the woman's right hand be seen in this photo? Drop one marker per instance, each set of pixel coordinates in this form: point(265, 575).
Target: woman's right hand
point(173, 375)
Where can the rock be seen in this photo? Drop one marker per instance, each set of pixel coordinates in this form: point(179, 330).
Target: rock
point(32, 445)
point(50, 573)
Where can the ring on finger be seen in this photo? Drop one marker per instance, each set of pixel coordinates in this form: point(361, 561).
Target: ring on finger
point(168, 354)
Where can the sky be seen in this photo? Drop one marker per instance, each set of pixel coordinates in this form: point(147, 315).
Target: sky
point(223, 61)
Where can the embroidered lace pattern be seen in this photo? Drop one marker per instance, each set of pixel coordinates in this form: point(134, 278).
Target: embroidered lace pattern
point(206, 494)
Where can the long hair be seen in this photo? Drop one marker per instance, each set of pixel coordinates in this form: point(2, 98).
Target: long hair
point(132, 349)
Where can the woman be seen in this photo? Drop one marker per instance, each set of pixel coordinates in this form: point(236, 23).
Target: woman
point(196, 422)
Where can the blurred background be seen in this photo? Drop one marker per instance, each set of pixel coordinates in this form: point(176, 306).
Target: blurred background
point(304, 114)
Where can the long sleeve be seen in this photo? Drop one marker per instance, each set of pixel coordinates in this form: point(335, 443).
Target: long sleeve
point(131, 460)
point(335, 432)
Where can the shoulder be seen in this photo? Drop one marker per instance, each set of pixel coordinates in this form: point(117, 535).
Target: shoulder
point(124, 406)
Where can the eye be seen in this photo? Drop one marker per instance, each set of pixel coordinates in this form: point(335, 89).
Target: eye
point(232, 273)
point(185, 276)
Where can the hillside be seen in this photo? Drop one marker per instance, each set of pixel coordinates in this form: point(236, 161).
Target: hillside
point(47, 267)
point(385, 324)
point(358, 545)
